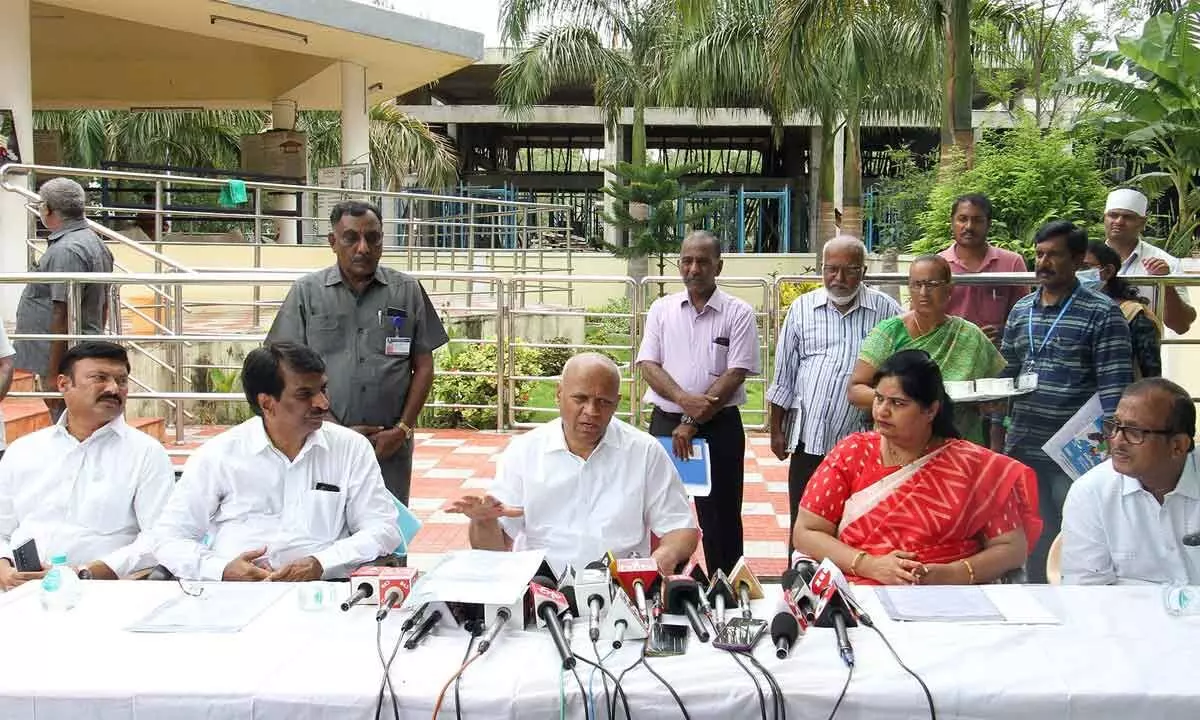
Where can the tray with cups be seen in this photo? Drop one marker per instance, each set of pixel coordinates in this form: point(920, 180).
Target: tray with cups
point(989, 389)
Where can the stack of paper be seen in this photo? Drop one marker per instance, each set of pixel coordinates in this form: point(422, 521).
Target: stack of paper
point(1002, 604)
point(220, 608)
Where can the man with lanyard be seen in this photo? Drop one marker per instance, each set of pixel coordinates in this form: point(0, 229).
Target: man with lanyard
point(376, 331)
point(985, 305)
point(699, 345)
point(1124, 220)
point(818, 345)
point(1076, 341)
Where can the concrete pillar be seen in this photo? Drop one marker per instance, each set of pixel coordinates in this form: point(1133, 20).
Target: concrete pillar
point(814, 187)
point(614, 151)
point(283, 117)
point(16, 94)
point(356, 134)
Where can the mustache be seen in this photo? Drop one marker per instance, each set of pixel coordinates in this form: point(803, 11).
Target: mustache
point(109, 396)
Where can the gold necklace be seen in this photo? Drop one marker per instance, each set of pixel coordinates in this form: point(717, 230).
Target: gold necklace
point(892, 458)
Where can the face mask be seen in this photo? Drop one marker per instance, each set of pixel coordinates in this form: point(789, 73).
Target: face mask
point(843, 299)
point(1089, 278)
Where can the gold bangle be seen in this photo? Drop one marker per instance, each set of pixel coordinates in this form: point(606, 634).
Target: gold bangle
point(970, 571)
point(853, 563)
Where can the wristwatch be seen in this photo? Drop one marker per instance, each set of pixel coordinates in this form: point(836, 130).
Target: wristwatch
point(688, 420)
point(403, 426)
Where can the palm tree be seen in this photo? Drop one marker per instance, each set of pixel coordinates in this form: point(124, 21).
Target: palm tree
point(401, 146)
point(616, 46)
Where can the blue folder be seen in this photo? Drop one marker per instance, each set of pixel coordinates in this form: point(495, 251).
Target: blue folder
point(696, 471)
point(408, 525)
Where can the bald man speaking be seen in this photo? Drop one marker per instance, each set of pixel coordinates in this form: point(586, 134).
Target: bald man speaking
point(585, 484)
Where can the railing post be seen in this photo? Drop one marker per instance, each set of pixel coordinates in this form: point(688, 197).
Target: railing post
point(470, 247)
point(74, 312)
point(177, 355)
point(502, 319)
point(256, 311)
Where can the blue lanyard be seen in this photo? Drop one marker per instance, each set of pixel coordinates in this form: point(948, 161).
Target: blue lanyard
point(1034, 352)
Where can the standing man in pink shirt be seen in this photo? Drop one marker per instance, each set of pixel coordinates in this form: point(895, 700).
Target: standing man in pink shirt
point(985, 305)
point(699, 345)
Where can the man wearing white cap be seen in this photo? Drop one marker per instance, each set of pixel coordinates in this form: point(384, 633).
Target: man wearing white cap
point(1124, 219)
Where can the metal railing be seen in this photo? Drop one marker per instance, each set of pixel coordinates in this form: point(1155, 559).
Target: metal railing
point(506, 341)
point(425, 230)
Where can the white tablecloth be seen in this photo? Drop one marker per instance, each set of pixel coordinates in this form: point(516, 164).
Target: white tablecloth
point(1116, 655)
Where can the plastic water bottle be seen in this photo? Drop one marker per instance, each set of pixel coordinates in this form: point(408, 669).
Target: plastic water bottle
point(60, 585)
point(1182, 600)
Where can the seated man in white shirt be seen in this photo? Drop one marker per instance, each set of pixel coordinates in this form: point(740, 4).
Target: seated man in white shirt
point(285, 495)
point(89, 486)
point(585, 484)
point(1124, 521)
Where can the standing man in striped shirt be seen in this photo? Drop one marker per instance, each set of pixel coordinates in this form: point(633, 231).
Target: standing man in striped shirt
point(1077, 342)
point(817, 348)
point(698, 348)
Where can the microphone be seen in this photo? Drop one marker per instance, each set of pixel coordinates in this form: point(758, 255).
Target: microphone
point(835, 606)
point(593, 585)
point(746, 585)
point(413, 619)
point(548, 603)
point(806, 569)
point(784, 631)
point(366, 585)
point(624, 621)
point(638, 576)
point(682, 594)
point(503, 615)
point(566, 586)
point(394, 587)
point(797, 596)
point(1192, 540)
point(423, 630)
point(720, 595)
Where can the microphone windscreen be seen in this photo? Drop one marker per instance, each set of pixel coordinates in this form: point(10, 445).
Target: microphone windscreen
point(785, 626)
point(788, 579)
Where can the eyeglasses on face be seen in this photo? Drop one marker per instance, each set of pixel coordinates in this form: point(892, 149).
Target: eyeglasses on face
point(930, 285)
point(1133, 435)
point(847, 270)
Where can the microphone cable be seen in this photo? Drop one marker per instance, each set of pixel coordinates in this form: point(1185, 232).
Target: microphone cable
point(667, 685)
point(441, 698)
point(603, 679)
point(762, 702)
point(780, 703)
point(618, 691)
point(842, 695)
point(475, 630)
point(385, 683)
point(924, 688)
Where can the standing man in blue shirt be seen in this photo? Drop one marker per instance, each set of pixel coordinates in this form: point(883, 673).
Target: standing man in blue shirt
point(1077, 342)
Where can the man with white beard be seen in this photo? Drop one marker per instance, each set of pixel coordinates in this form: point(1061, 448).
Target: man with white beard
point(817, 348)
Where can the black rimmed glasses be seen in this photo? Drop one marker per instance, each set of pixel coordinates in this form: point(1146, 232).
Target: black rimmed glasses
point(1133, 435)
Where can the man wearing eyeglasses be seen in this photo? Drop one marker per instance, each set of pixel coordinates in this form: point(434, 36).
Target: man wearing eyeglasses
point(817, 348)
point(1124, 521)
point(376, 330)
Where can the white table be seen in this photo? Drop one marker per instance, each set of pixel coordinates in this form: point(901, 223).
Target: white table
point(1116, 655)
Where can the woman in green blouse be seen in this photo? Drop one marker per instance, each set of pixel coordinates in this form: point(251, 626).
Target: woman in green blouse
point(961, 350)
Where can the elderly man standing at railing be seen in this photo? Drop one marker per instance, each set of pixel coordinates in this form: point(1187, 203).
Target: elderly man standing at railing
point(376, 330)
point(71, 248)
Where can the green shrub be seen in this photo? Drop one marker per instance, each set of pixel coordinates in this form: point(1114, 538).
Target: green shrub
point(552, 360)
point(1031, 176)
point(475, 389)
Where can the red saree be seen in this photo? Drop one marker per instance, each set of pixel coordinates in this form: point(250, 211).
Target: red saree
point(939, 507)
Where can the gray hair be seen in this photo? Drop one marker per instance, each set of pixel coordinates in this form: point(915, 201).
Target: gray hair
point(845, 242)
point(707, 236)
point(65, 197)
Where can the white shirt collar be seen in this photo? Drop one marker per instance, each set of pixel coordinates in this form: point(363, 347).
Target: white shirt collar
point(1188, 486)
point(116, 426)
point(258, 441)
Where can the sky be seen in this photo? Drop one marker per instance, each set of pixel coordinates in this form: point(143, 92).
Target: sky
point(481, 15)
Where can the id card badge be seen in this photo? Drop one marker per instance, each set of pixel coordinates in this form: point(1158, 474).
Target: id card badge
point(1029, 368)
point(397, 347)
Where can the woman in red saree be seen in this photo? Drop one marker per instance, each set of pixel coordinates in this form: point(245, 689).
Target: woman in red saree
point(911, 502)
